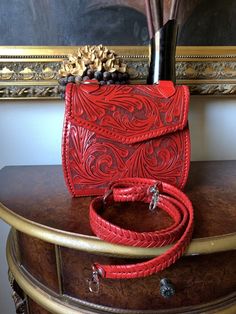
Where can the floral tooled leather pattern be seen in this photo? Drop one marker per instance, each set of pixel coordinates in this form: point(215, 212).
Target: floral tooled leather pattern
point(124, 131)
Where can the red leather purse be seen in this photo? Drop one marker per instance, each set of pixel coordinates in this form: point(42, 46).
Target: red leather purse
point(118, 131)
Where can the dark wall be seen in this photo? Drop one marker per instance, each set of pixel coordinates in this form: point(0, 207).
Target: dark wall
point(69, 22)
point(78, 22)
point(212, 23)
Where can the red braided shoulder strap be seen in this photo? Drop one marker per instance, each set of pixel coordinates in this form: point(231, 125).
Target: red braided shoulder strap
point(168, 198)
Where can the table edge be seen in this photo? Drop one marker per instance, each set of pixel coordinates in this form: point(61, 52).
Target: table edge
point(91, 244)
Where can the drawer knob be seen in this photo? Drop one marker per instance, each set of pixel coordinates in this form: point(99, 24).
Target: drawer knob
point(167, 289)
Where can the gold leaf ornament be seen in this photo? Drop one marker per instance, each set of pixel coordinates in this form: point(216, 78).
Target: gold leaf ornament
point(97, 58)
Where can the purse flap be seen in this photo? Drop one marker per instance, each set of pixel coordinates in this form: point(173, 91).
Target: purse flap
point(128, 113)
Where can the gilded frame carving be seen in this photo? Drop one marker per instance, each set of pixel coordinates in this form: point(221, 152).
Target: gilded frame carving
point(30, 72)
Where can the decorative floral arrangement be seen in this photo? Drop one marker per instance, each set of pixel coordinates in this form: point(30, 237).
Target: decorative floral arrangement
point(93, 63)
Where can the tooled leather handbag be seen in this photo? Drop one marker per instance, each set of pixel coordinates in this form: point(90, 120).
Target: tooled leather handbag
point(118, 131)
point(137, 137)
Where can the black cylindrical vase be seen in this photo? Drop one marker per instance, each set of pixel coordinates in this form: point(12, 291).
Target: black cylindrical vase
point(162, 51)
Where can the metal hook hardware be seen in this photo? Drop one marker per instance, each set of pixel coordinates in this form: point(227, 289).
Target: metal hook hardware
point(94, 282)
point(106, 195)
point(153, 204)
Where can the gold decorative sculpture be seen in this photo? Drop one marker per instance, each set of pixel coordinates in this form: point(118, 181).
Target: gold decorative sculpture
point(96, 58)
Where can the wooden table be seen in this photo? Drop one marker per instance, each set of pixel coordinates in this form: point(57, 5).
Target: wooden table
point(51, 248)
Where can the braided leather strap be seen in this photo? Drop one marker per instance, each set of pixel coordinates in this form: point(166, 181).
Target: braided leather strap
point(168, 198)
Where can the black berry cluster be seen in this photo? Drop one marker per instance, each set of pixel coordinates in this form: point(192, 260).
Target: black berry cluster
point(104, 78)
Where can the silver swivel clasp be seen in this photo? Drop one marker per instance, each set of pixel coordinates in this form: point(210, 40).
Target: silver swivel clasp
point(94, 282)
point(155, 196)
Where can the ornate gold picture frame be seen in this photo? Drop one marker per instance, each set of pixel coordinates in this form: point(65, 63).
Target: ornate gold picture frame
point(31, 72)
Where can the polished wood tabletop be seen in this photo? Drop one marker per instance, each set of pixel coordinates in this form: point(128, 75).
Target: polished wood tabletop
point(38, 193)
